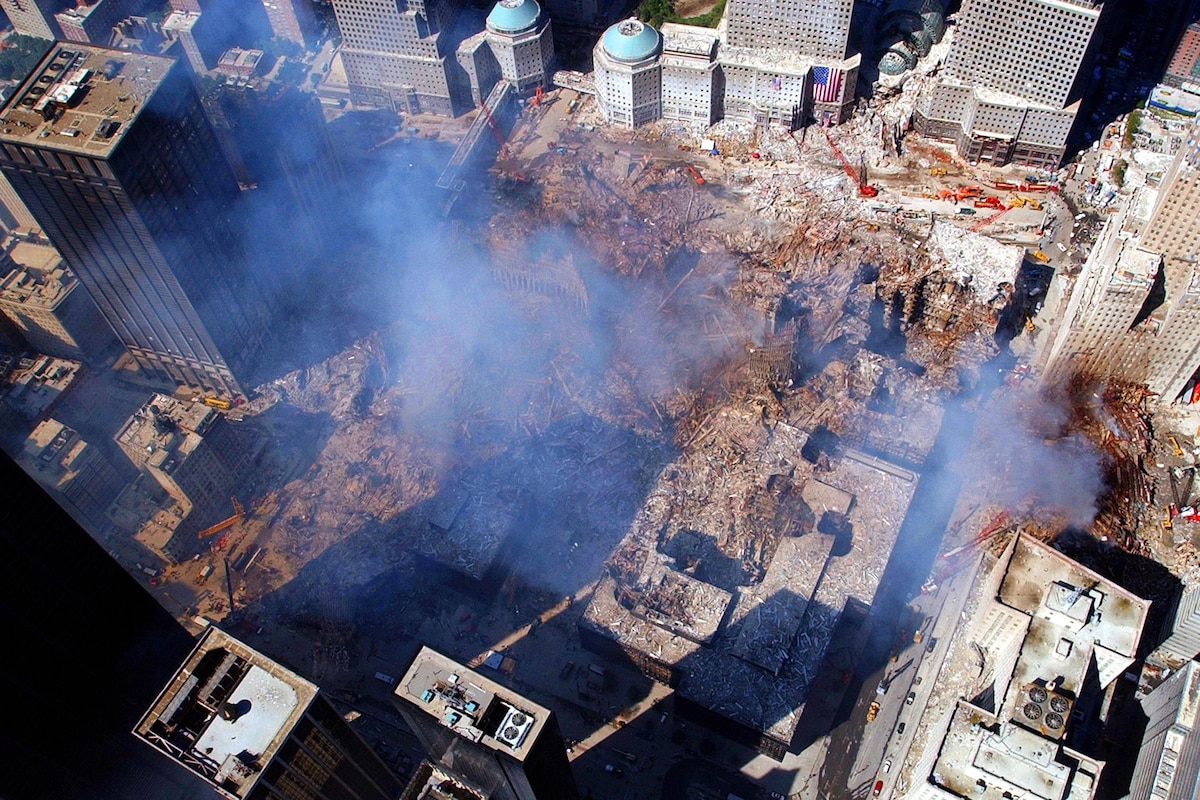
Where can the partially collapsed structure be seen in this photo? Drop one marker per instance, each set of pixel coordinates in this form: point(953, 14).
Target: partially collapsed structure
point(734, 598)
point(1052, 638)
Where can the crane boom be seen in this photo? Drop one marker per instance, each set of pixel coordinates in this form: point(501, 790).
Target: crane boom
point(864, 189)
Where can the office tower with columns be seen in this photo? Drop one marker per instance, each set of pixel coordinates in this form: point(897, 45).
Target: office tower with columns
point(112, 153)
point(398, 55)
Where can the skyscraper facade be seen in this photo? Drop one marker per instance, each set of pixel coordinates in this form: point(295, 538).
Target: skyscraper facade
point(817, 28)
point(290, 19)
point(787, 61)
point(396, 55)
point(1170, 752)
point(1010, 85)
point(89, 649)
point(1134, 312)
point(33, 17)
point(111, 152)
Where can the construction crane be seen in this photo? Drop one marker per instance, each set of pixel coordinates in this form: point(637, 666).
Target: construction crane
point(229, 522)
point(988, 220)
point(955, 557)
point(860, 176)
point(233, 615)
point(503, 155)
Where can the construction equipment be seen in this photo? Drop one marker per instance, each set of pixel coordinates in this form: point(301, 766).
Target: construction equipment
point(503, 155)
point(1040, 256)
point(937, 171)
point(696, 176)
point(1005, 186)
point(872, 710)
point(216, 402)
point(860, 176)
point(956, 557)
point(537, 98)
point(229, 522)
point(988, 220)
point(233, 615)
point(1175, 446)
point(989, 202)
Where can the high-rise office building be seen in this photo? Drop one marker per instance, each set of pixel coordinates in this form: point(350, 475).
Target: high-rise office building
point(112, 153)
point(1183, 70)
point(49, 307)
point(255, 730)
point(93, 21)
point(500, 743)
point(290, 19)
point(1134, 311)
point(1170, 753)
point(398, 55)
point(1009, 90)
point(816, 28)
point(788, 61)
point(34, 17)
point(88, 650)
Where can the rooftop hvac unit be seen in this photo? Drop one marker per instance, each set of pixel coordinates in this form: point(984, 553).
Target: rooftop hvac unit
point(1043, 709)
point(514, 728)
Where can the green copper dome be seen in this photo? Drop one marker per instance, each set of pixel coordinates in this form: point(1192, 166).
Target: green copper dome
point(513, 16)
point(631, 41)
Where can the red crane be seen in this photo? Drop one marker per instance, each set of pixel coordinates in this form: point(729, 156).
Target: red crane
point(859, 177)
point(983, 223)
point(503, 155)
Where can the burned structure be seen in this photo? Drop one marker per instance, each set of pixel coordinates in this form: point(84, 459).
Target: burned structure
point(194, 455)
point(1053, 638)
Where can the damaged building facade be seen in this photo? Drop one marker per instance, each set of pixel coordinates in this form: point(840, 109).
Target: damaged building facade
point(988, 102)
point(766, 63)
point(1053, 638)
point(1134, 310)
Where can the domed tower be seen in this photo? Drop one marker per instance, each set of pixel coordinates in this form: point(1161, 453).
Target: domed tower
point(628, 74)
point(520, 37)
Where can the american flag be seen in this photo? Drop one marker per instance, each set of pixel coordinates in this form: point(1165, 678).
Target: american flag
point(827, 84)
point(776, 83)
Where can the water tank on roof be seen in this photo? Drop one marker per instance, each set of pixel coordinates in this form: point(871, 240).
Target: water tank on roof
point(630, 41)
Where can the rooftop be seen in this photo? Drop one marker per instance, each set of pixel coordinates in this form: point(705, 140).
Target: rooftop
point(38, 382)
point(32, 287)
point(986, 759)
point(472, 706)
point(81, 98)
point(1077, 616)
point(226, 712)
point(165, 430)
point(689, 39)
